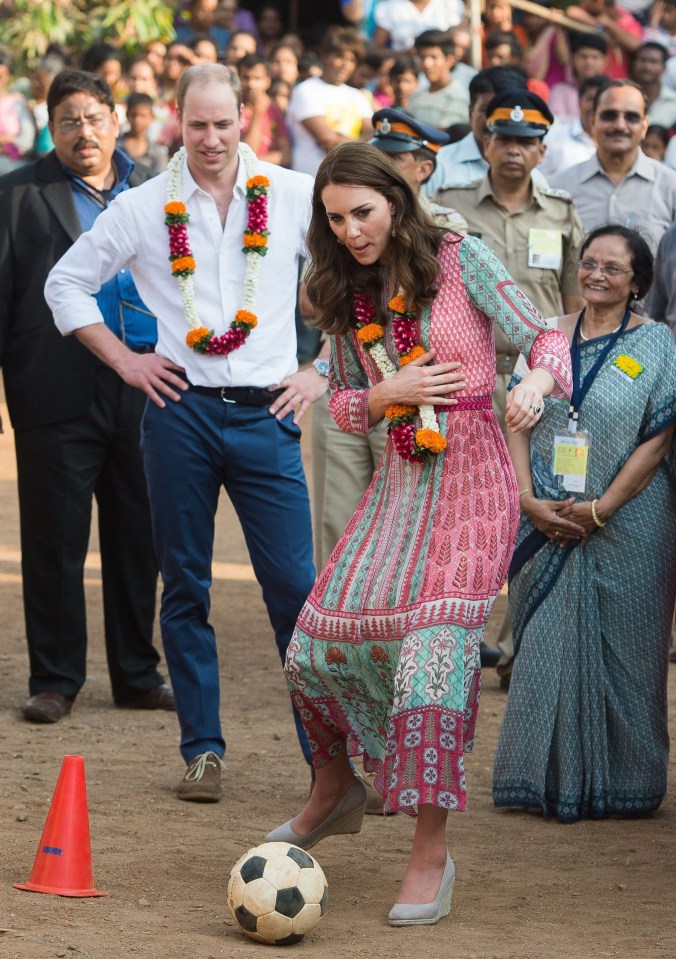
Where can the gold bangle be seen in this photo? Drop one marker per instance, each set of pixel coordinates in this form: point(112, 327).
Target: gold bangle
point(595, 516)
point(522, 492)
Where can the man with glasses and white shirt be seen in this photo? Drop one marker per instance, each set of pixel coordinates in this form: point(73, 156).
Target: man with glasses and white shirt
point(619, 183)
point(76, 425)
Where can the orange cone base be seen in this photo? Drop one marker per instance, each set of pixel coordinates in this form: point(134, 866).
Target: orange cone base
point(77, 893)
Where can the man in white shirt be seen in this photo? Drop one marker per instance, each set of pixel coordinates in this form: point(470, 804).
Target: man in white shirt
point(216, 378)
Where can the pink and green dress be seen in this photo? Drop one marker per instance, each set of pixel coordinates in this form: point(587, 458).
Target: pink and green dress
point(385, 655)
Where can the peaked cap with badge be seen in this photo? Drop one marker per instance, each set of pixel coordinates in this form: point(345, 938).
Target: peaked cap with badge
point(518, 113)
point(397, 132)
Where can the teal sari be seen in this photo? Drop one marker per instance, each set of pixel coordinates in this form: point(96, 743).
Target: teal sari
point(585, 727)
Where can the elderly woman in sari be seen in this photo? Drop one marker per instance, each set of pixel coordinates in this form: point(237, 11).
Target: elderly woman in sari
point(593, 579)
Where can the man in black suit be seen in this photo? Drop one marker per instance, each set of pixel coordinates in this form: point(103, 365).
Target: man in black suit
point(76, 423)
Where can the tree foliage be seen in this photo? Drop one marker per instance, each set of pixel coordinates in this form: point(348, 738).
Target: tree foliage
point(29, 26)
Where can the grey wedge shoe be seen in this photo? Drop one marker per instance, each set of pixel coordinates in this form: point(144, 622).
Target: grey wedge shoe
point(427, 913)
point(346, 818)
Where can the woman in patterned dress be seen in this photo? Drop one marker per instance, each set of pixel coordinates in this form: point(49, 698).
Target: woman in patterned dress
point(385, 657)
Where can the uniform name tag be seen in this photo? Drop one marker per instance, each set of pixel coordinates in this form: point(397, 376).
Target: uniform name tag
point(545, 249)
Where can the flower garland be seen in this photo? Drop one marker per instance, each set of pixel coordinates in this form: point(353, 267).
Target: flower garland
point(411, 444)
point(199, 338)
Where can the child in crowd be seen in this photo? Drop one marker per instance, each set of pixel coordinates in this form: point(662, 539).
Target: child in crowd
point(283, 64)
point(382, 92)
point(504, 50)
point(404, 81)
point(204, 48)
point(280, 93)
point(656, 142)
point(445, 101)
point(589, 59)
point(263, 124)
point(136, 141)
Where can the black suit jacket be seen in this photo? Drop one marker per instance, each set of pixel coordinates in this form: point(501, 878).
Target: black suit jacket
point(49, 378)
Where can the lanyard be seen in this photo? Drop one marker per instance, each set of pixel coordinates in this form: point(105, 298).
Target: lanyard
point(580, 389)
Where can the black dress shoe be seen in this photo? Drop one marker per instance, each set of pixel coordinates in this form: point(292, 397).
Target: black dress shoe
point(489, 655)
point(161, 697)
point(46, 707)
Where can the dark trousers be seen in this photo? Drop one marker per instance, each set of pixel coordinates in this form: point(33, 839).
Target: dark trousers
point(191, 450)
point(60, 467)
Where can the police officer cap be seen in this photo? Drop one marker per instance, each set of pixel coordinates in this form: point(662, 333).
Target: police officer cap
point(518, 113)
point(397, 132)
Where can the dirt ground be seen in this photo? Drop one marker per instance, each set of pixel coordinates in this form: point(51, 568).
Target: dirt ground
point(526, 889)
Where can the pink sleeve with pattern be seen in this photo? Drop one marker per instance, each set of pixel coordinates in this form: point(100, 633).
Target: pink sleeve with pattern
point(550, 352)
point(349, 386)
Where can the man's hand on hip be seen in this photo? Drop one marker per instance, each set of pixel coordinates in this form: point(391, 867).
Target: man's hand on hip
point(300, 392)
point(153, 374)
point(149, 372)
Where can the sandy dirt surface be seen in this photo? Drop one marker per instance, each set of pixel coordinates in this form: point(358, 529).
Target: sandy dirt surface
point(526, 888)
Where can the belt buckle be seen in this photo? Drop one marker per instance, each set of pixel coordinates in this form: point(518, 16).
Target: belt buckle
point(224, 397)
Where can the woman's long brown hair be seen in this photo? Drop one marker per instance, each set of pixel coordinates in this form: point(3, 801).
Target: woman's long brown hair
point(334, 274)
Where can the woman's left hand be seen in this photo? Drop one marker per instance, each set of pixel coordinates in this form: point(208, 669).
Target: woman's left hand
point(524, 407)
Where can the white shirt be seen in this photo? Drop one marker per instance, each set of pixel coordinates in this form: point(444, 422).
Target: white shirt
point(344, 109)
point(131, 234)
point(404, 21)
point(567, 144)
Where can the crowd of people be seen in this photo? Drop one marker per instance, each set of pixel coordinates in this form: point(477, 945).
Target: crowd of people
point(489, 253)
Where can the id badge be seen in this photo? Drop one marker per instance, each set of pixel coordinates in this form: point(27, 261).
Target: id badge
point(571, 459)
point(545, 249)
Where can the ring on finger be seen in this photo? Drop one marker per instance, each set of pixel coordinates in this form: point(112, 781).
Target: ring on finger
point(536, 408)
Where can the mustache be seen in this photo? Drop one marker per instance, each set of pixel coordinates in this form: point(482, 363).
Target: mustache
point(82, 142)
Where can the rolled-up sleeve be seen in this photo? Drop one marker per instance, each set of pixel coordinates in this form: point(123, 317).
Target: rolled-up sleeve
point(93, 259)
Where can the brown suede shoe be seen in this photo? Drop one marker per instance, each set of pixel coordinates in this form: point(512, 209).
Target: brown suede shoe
point(161, 697)
point(46, 708)
point(202, 780)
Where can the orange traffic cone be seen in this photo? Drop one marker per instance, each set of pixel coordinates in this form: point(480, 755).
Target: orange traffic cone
point(63, 863)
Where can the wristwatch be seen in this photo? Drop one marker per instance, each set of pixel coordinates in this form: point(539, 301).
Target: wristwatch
point(322, 366)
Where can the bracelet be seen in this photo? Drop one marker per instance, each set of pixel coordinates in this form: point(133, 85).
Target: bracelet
point(522, 492)
point(595, 515)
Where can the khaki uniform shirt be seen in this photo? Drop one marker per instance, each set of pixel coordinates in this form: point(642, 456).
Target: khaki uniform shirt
point(508, 235)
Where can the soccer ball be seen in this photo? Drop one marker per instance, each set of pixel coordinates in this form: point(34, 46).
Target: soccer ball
point(277, 893)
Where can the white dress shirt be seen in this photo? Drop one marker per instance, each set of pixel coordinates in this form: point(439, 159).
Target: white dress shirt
point(567, 144)
point(131, 234)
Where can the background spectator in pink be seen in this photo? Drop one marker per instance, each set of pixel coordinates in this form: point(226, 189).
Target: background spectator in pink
point(624, 32)
point(17, 127)
point(589, 58)
point(263, 123)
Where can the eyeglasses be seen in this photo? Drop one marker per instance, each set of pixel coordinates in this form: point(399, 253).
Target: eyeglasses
point(99, 121)
point(590, 266)
point(612, 116)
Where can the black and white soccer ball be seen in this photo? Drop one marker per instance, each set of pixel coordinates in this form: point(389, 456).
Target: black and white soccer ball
point(277, 893)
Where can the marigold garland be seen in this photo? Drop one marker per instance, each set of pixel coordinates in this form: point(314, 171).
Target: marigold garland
point(200, 338)
point(411, 444)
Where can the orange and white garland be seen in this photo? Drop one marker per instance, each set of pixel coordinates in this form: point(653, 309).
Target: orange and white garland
point(200, 338)
point(411, 443)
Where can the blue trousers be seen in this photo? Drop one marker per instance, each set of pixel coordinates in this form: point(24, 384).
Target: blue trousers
point(191, 449)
